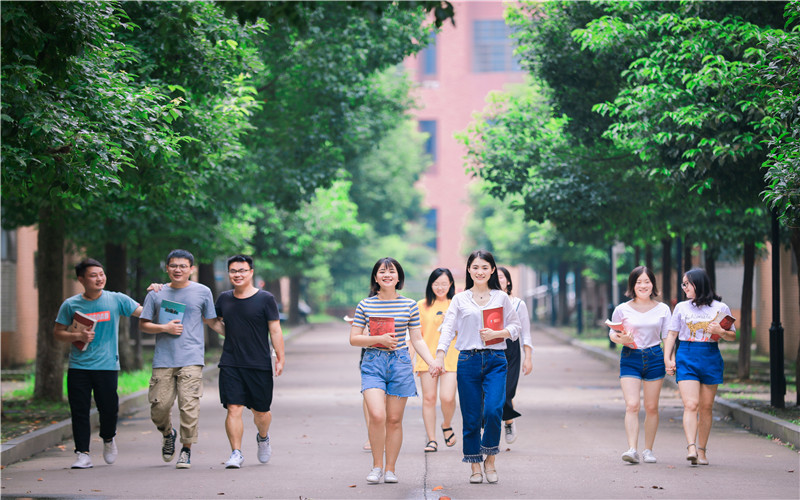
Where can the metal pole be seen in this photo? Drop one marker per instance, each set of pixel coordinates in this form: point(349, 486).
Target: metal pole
point(578, 299)
point(612, 276)
point(777, 378)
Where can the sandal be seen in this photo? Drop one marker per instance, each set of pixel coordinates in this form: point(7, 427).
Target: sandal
point(476, 477)
point(702, 461)
point(491, 474)
point(449, 441)
point(431, 446)
point(692, 457)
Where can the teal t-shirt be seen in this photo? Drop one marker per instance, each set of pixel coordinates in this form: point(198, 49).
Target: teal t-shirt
point(103, 352)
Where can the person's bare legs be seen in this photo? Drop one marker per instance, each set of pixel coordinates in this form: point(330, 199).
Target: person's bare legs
point(367, 446)
point(690, 394)
point(652, 392)
point(262, 419)
point(234, 427)
point(395, 407)
point(448, 385)
point(429, 387)
point(375, 399)
point(630, 392)
point(705, 418)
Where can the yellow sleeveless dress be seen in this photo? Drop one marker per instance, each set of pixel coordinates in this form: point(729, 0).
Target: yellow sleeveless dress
point(431, 319)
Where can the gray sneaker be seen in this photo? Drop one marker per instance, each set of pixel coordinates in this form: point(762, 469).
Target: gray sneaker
point(648, 457)
point(511, 432)
point(264, 449)
point(110, 451)
point(84, 461)
point(235, 462)
point(631, 456)
point(168, 446)
point(375, 475)
point(184, 459)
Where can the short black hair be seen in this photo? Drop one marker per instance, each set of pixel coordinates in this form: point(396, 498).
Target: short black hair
point(704, 293)
point(507, 274)
point(430, 297)
point(180, 254)
point(80, 267)
point(374, 287)
point(494, 281)
point(241, 258)
point(634, 277)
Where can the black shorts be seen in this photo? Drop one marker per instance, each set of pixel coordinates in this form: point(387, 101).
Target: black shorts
point(245, 386)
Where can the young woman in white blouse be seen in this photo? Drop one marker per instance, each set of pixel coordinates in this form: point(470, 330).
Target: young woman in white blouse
point(482, 365)
point(645, 322)
point(513, 355)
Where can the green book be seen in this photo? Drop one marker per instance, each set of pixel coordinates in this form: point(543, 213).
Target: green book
point(170, 310)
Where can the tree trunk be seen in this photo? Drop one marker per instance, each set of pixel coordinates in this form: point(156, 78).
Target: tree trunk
point(711, 265)
point(687, 255)
point(666, 267)
point(637, 256)
point(795, 238)
point(294, 300)
point(50, 283)
point(117, 280)
point(205, 275)
point(745, 325)
point(648, 256)
point(563, 307)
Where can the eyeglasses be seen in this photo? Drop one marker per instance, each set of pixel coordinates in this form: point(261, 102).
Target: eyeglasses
point(182, 267)
point(685, 284)
point(238, 271)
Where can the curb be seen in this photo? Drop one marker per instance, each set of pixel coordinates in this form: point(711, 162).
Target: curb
point(29, 444)
point(752, 420)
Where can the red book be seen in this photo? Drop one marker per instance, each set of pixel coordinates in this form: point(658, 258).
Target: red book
point(493, 318)
point(81, 323)
point(725, 321)
point(381, 326)
point(618, 326)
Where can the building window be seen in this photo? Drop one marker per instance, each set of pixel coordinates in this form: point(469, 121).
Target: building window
point(427, 58)
point(493, 49)
point(429, 127)
point(430, 224)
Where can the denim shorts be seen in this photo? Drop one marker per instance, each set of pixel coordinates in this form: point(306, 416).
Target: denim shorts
point(645, 364)
point(389, 371)
point(699, 361)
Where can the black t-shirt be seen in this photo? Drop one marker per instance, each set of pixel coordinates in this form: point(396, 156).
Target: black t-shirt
point(247, 329)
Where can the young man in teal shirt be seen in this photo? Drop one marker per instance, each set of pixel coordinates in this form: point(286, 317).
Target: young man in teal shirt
point(96, 368)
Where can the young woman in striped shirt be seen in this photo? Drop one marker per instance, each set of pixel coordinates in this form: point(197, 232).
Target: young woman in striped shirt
point(387, 379)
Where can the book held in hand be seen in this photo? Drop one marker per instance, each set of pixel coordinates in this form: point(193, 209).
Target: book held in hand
point(725, 321)
point(170, 310)
point(618, 326)
point(381, 326)
point(493, 318)
point(81, 323)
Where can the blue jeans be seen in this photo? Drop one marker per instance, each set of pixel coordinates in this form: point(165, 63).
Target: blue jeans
point(481, 379)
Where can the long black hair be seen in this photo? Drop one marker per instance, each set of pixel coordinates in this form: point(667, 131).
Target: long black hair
point(430, 297)
point(704, 293)
point(374, 287)
point(507, 274)
point(494, 281)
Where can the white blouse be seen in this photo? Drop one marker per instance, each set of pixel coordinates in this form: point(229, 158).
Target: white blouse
point(648, 327)
point(524, 319)
point(465, 317)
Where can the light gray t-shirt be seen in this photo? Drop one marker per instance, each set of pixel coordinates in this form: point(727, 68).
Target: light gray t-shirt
point(186, 349)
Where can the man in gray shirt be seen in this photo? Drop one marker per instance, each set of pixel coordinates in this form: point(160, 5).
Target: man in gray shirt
point(175, 314)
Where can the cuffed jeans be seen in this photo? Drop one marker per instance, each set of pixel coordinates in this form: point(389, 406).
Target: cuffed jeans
point(80, 385)
point(481, 379)
point(185, 383)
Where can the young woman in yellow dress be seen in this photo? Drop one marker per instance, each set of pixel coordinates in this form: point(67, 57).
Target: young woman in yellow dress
point(438, 292)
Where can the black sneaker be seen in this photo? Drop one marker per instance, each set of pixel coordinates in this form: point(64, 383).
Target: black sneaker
point(184, 459)
point(168, 446)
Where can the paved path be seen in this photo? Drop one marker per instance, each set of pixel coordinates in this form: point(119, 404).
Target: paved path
point(570, 440)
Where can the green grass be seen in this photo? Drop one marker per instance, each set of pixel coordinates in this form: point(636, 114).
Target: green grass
point(321, 318)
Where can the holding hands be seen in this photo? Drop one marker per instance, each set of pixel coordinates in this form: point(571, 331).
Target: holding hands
point(437, 367)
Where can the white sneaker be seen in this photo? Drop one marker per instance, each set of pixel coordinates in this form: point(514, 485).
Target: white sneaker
point(511, 432)
point(235, 461)
point(84, 461)
point(374, 475)
point(631, 456)
point(110, 451)
point(264, 449)
point(648, 457)
point(389, 477)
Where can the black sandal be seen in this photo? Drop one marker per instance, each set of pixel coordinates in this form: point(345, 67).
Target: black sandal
point(451, 440)
point(431, 446)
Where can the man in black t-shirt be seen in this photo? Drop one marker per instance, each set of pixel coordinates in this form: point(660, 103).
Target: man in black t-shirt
point(245, 367)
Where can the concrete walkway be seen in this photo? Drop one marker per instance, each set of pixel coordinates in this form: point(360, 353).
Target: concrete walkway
point(570, 439)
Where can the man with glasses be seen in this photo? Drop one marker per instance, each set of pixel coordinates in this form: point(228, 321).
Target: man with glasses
point(175, 314)
point(251, 320)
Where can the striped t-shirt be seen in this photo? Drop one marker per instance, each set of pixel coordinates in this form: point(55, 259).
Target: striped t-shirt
point(404, 311)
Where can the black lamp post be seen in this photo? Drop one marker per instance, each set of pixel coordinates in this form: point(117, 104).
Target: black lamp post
point(777, 379)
